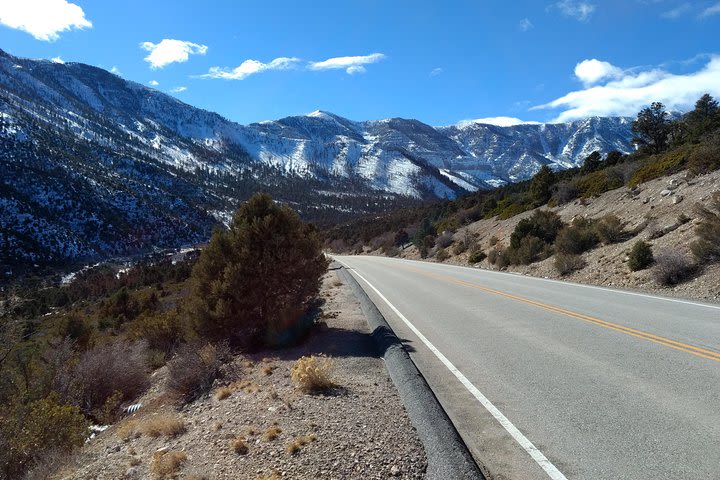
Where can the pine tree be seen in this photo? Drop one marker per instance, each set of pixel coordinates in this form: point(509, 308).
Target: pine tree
point(541, 186)
point(652, 128)
point(256, 279)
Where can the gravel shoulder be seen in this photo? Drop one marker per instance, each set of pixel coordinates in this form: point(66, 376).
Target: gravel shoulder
point(358, 430)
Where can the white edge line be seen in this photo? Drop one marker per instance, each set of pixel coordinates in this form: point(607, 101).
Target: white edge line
point(563, 282)
point(526, 444)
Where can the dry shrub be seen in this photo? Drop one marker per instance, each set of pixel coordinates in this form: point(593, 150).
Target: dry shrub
point(127, 430)
point(707, 247)
point(295, 446)
point(566, 263)
point(193, 370)
point(271, 433)
point(247, 386)
point(239, 445)
point(166, 463)
point(312, 374)
point(164, 425)
point(672, 268)
point(273, 476)
point(610, 229)
point(222, 393)
point(105, 370)
point(441, 255)
point(444, 240)
point(268, 370)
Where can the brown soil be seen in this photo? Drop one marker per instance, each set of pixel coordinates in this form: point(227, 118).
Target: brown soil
point(267, 426)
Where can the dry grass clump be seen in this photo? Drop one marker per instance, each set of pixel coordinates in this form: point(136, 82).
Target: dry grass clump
point(164, 425)
point(222, 393)
point(295, 446)
point(273, 476)
point(247, 386)
point(312, 374)
point(239, 445)
point(271, 433)
point(268, 370)
point(166, 463)
point(127, 431)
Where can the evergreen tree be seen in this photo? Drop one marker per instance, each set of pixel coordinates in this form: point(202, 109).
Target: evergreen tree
point(591, 163)
point(257, 278)
point(541, 185)
point(652, 128)
point(704, 118)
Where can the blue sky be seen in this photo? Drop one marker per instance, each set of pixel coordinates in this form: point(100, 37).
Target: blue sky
point(439, 62)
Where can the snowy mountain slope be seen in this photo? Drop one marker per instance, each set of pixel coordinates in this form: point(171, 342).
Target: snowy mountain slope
point(93, 165)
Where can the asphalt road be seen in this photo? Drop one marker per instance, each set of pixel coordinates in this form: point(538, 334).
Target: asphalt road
point(548, 379)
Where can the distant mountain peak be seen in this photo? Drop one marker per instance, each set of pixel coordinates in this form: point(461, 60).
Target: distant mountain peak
point(117, 156)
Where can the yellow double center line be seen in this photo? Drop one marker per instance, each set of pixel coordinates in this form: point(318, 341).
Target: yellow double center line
point(684, 347)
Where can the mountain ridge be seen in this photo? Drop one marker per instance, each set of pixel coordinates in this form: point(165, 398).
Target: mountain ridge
point(96, 165)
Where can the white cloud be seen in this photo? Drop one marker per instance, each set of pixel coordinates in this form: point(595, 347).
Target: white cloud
point(170, 51)
point(710, 11)
point(498, 121)
point(436, 71)
point(592, 71)
point(154, 83)
point(115, 70)
point(526, 24)
point(57, 60)
point(178, 89)
point(43, 19)
point(251, 67)
point(576, 9)
point(676, 12)
point(350, 64)
point(632, 90)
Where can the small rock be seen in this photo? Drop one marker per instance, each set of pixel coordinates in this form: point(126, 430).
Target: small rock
point(394, 471)
point(677, 199)
point(162, 450)
point(132, 472)
point(666, 192)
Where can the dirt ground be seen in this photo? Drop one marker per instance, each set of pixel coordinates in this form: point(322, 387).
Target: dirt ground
point(357, 430)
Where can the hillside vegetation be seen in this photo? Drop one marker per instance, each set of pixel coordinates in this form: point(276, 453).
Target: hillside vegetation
point(453, 230)
point(78, 354)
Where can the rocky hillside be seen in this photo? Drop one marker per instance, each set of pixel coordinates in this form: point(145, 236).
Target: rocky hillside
point(661, 212)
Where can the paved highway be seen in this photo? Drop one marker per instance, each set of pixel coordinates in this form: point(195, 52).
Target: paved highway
point(548, 379)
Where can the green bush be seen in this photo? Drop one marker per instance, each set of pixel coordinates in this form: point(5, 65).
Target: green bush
point(577, 238)
point(476, 256)
point(660, 165)
point(530, 250)
point(543, 225)
point(705, 158)
point(29, 432)
point(640, 257)
point(256, 280)
point(597, 183)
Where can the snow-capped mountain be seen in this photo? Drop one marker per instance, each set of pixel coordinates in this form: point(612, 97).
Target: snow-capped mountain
point(93, 165)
